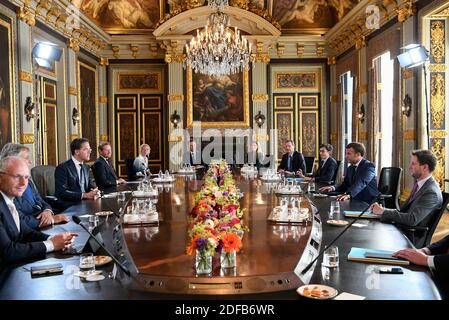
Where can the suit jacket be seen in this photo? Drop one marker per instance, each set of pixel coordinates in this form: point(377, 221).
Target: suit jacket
point(360, 183)
point(104, 174)
point(67, 185)
point(440, 250)
point(298, 162)
point(417, 211)
point(16, 246)
point(326, 172)
point(31, 205)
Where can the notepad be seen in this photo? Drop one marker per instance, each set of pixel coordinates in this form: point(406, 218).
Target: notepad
point(366, 215)
point(295, 179)
point(375, 256)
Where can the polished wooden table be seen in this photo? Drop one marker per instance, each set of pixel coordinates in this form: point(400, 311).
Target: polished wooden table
point(268, 267)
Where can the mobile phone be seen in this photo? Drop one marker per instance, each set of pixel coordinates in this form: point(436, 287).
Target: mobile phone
point(392, 270)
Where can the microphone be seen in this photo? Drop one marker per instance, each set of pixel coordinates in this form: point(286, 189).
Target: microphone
point(77, 220)
point(384, 189)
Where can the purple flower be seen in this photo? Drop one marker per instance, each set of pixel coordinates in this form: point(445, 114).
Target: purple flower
point(201, 243)
point(225, 193)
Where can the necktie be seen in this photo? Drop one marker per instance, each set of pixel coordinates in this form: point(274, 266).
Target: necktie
point(289, 163)
point(82, 179)
point(354, 170)
point(193, 157)
point(15, 215)
point(412, 194)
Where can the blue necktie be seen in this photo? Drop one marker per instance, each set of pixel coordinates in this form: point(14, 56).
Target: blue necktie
point(28, 191)
point(289, 163)
point(82, 182)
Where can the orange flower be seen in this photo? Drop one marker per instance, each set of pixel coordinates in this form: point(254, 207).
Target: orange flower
point(231, 242)
point(192, 247)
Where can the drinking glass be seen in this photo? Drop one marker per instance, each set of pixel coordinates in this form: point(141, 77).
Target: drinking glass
point(334, 211)
point(121, 196)
point(311, 187)
point(87, 263)
point(93, 221)
point(330, 258)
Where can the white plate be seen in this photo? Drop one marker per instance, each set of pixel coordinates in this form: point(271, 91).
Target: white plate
point(320, 195)
point(331, 292)
point(338, 223)
point(95, 277)
point(102, 260)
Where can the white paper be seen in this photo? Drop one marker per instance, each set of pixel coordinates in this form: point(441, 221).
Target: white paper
point(349, 296)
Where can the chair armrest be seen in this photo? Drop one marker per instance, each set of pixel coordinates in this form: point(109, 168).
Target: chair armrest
point(51, 198)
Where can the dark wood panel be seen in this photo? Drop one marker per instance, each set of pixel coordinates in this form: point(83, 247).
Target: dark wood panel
point(151, 132)
point(51, 135)
point(88, 104)
point(126, 128)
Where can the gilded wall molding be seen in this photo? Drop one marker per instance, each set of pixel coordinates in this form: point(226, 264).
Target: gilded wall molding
point(262, 97)
point(175, 138)
point(72, 91)
point(169, 58)
point(27, 138)
point(331, 60)
point(333, 136)
point(104, 61)
point(73, 137)
point(73, 44)
point(261, 137)
point(437, 99)
point(103, 99)
point(334, 99)
point(363, 88)
point(26, 15)
point(409, 135)
point(261, 57)
point(437, 67)
point(437, 41)
point(25, 76)
point(363, 135)
point(104, 137)
point(439, 151)
point(438, 134)
point(175, 97)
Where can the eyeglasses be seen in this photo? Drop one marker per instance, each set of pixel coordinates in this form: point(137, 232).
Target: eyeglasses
point(16, 177)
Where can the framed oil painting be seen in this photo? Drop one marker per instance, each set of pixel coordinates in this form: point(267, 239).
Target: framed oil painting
point(6, 81)
point(218, 102)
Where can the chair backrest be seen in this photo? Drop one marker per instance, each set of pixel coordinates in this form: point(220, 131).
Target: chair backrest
point(435, 219)
point(309, 164)
point(44, 179)
point(337, 170)
point(129, 163)
point(390, 180)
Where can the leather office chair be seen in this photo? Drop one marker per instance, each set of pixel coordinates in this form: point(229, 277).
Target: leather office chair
point(129, 163)
point(421, 235)
point(390, 181)
point(334, 178)
point(309, 165)
point(44, 179)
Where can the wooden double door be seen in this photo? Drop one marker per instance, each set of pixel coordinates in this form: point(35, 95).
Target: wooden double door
point(139, 119)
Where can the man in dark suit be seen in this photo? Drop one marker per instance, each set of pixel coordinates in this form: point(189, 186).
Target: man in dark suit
point(103, 171)
point(36, 212)
point(72, 182)
point(360, 179)
point(18, 241)
point(436, 257)
point(326, 167)
point(424, 199)
point(292, 161)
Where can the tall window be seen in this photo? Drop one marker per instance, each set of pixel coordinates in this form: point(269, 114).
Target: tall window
point(384, 99)
point(347, 82)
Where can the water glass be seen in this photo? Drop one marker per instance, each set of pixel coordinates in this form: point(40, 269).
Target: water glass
point(129, 210)
point(330, 258)
point(334, 211)
point(93, 221)
point(87, 263)
point(121, 196)
point(311, 187)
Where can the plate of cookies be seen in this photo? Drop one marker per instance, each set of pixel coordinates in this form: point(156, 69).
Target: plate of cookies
point(317, 291)
point(102, 260)
point(338, 223)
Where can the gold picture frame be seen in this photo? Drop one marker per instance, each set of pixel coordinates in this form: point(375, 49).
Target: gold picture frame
point(238, 91)
point(280, 102)
point(7, 81)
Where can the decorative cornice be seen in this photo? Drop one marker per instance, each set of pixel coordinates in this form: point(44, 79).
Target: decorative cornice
point(280, 48)
point(73, 44)
point(104, 61)
point(332, 60)
point(104, 137)
point(407, 11)
point(441, 134)
point(360, 43)
point(175, 97)
point(27, 138)
point(72, 91)
point(26, 15)
point(169, 58)
point(299, 50)
point(261, 57)
point(25, 76)
point(116, 51)
point(260, 97)
point(134, 49)
point(409, 134)
point(103, 99)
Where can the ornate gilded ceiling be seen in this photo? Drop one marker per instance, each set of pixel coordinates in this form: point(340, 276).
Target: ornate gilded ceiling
point(137, 16)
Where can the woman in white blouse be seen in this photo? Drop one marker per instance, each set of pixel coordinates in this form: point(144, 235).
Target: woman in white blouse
point(141, 162)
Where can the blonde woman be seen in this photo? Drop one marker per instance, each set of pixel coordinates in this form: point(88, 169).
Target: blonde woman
point(141, 162)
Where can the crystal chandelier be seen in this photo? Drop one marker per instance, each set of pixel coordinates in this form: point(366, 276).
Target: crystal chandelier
point(217, 50)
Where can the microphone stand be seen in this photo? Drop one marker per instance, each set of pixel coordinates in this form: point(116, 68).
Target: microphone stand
point(336, 238)
point(77, 220)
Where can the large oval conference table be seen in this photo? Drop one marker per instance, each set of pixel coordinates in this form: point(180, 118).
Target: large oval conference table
point(268, 266)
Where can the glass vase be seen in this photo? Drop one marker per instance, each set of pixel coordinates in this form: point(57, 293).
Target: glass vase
point(203, 262)
point(228, 259)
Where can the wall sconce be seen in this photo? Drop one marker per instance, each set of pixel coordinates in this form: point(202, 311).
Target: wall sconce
point(406, 105)
point(361, 114)
point(75, 116)
point(29, 109)
point(175, 119)
point(260, 119)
